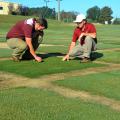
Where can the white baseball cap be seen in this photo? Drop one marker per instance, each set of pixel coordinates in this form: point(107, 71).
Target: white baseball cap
point(80, 18)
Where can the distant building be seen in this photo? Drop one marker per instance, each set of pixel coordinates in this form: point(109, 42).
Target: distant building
point(9, 8)
point(106, 22)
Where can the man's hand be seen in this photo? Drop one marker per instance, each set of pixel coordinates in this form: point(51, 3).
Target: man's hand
point(38, 59)
point(66, 58)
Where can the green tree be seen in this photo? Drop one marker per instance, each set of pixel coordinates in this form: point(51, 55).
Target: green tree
point(68, 16)
point(93, 13)
point(43, 11)
point(105, 14)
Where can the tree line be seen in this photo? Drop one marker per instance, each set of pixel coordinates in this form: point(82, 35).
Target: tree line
point(100, 15)
point(103, 15)
point(94, 14)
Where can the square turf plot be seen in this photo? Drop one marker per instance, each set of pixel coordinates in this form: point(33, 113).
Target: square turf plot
point(49, 66)
point(104, 84)
point(38, 104)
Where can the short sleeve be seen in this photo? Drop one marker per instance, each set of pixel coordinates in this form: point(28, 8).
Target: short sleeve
point(75, 36)
point(27, 31)
point(92, 29)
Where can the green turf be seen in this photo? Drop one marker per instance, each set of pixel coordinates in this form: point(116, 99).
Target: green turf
point(103, 46)
point(111, 56)
point(49, 66)
point(53, 49)
point(5, 52)
point(103, 84)
point(37, 104)
point(108, 36)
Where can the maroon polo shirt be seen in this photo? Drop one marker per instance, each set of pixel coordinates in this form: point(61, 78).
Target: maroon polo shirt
point(22, 29)
point(89, 28)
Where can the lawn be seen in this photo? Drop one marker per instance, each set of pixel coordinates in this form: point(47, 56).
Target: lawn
point(24, 103)
point(51, 65)
point(111, 56)
point(37, 104)
point(5, 52)
point(103, 84)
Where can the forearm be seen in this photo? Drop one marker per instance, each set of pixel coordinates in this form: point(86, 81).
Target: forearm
point(32, 51)
point(66, 57)
point(93, 35)
point(29, 44)
point(72, 45)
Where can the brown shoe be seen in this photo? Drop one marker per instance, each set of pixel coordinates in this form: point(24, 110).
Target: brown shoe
point(16, 58)
point(85, 60)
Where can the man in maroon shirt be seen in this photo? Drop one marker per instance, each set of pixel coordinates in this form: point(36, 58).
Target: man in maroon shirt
point(24, 38)
point(85, 34)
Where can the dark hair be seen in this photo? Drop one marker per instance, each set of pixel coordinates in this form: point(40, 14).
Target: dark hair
point(42, 22)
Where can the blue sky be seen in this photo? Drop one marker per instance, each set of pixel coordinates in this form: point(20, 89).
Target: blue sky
point(80, 6)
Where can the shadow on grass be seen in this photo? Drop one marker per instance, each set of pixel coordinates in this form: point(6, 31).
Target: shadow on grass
point(44, 56)
point(96, 55)
point(47, 55)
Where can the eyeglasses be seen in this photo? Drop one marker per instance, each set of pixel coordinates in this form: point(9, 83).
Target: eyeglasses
point(79, 23)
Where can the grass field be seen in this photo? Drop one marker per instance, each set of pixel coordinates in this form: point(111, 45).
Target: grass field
point(107, 85)
point(37, 104)
point(57, 90)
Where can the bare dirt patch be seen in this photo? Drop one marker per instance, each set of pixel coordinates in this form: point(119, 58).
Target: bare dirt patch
point(3, 45)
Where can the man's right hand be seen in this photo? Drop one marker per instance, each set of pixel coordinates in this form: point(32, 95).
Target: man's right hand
point(38, 59)
point(66, 58)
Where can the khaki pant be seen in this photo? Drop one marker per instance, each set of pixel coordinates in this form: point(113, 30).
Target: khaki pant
point(20, 47)
point(85, 49)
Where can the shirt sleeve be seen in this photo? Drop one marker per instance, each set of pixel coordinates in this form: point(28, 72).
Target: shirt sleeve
point(75, 36)
point(92, 29)
point(27, 31)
